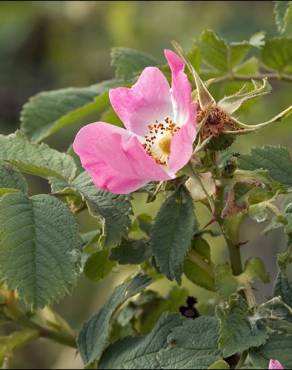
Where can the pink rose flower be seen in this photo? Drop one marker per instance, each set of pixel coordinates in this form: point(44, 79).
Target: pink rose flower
point(274, 364)
point(158, 140)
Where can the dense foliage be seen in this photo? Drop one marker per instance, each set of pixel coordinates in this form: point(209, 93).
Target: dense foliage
point(42, 252)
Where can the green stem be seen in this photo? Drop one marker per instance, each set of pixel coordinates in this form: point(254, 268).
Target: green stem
point(235, 257)
point(13, 311)
point(257, 77)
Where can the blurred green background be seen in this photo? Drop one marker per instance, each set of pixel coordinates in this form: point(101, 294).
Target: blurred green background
point(54, 44)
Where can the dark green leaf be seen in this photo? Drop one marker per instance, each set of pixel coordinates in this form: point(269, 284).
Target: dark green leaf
point(94, 336)
point(237, 332)
point(141, 352)
point(50, 111)
point(277, 347)
point(192, 346)
point(39, 247)
point(11, 179)
point(276, 160)
point(131, 252)
point(98, 266)
point(283, 288)
point(172, 233)
point(36, 159)
point(114, 209)
point(128, 62)
point(198, 267)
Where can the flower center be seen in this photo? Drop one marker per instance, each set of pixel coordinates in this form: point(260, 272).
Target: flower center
point(158, 140)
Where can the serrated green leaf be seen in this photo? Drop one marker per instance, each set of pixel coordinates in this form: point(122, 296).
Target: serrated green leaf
point(48, 112)
point(214, 51)
point(11, 179)
point(219, 55)
point(98, 266)
point(172, 233)
point(226, 283)
point(238, 51)
point(94, 336)
point(281, 11)
point(277, 347)
point(35, 159)
point(192, 346)
point(113, 209)
point(277, 54)
point(141, 352)
point(198, 267)
point(131, 252)
point(10, 343)
point(283, 288)
point(276, 160)
point(237, 332)
point(39, 247)
point(128, 62)
point(249, 67)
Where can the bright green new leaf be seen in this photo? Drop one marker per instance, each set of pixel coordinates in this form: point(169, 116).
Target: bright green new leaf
point(219, 55)
point(94, 336)
point(172, 233)
point(277, 54)
point(39, 247)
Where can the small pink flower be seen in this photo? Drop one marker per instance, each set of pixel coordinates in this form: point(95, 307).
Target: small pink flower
point(158, 140)
point(274, 364)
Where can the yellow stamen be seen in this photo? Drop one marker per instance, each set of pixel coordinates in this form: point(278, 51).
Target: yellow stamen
point(164, 144)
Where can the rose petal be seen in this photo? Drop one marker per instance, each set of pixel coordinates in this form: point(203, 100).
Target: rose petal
point(275, 364)
point(115, 159)
point(181, 89)
point(145, 102)
point(182, 144)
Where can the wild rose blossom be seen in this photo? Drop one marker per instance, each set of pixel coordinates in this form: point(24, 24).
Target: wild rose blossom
point(274, 364)
point(158, 140)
